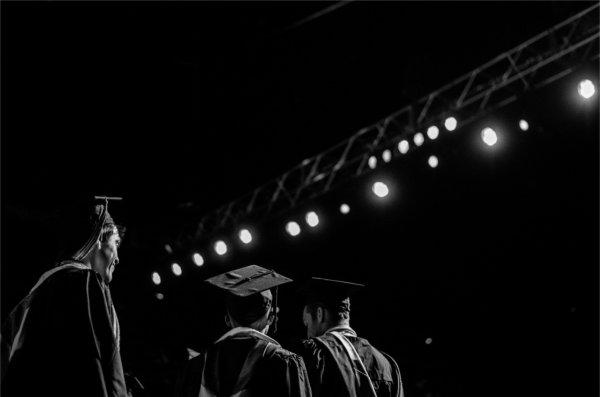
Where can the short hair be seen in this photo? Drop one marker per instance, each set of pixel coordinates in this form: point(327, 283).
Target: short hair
point(250, 311)
point(339, 313)
point(110, 228)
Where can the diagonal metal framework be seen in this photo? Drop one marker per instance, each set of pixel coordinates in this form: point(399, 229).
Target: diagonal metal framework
point(538, 61)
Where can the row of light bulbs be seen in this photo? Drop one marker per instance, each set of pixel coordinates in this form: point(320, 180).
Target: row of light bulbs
point(488, 136)
point(380, 189)
point(585, 88)
point(293, 228)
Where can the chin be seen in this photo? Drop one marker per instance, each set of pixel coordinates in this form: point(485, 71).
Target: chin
point(108, 277)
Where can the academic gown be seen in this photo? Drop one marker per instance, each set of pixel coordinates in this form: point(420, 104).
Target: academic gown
point(245, 362)
point(62, 339)
point(333, 373)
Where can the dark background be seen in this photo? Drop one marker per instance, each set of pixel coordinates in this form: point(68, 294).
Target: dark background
point(180, 107)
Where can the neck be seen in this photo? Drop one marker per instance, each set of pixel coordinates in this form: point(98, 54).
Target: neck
point(87, 260)
point(344, 323)
point(258, 325)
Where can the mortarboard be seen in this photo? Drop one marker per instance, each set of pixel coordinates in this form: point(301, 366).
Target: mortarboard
point(248, 280)
point(334, 294)
point(244, 287)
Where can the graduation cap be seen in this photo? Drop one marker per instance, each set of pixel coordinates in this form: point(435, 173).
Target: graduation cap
point(244, 289)
point(333, 294)
point(248, 280)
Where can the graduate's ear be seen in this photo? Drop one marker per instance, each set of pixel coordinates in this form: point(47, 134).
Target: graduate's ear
point(320, 314)
point(228, 321)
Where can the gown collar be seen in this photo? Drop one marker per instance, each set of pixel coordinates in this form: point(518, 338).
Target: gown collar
point(246, 331)
point(344, 329)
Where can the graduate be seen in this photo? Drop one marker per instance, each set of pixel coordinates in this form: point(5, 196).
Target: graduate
point(245, 361)
point(62, 339)
point(339, 362)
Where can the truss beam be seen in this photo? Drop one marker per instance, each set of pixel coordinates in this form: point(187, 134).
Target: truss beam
point(538, 61)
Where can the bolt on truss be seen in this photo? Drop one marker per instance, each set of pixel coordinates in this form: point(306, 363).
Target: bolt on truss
point(545, 58)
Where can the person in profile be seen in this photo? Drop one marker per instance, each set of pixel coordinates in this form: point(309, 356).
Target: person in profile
point(339, 362)
point(245, 361)
point(62, 339)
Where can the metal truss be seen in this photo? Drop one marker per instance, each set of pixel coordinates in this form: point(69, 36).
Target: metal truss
point(538, 61)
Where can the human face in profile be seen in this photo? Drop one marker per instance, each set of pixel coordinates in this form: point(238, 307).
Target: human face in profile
point(106, 257)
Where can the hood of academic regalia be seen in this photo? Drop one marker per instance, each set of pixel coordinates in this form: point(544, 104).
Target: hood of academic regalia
point(229, 364)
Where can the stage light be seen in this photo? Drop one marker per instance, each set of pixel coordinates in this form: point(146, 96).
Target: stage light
point(176, 269)
point(418, 139)
point(428, 341)
point(523, 125)
point(292, 228)
point(403, 146)
point(387, 155)
point(380, 189)
point(245, 236)
point(160, 296)
point(586, 89)
point(489, 136)
point(344, 208)
point(372, 162)
point(312, 219)
point(432, 161)
point(433, 132)
point(156, 278)
point(198, 259)
point(220, 247)
point(450, 123)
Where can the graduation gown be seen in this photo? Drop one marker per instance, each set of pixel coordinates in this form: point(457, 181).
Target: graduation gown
point(62, 339)
point(333, 372)
point(245, 362)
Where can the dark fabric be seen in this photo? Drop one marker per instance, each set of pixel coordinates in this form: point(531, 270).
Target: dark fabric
point(332, 374)
point(248, 280)
point(68, 343)
point(270, 370)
